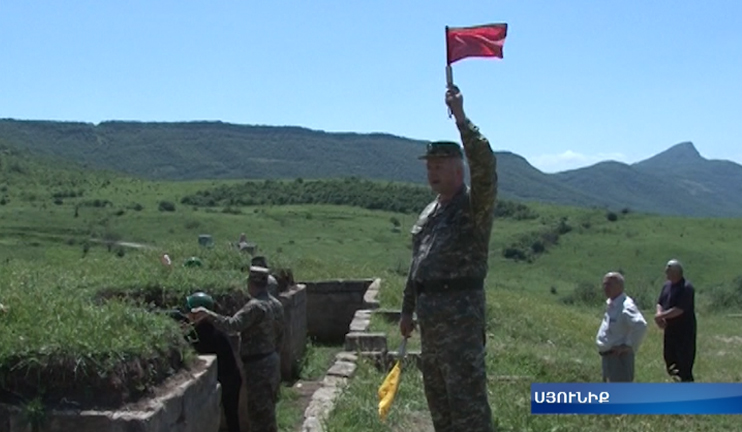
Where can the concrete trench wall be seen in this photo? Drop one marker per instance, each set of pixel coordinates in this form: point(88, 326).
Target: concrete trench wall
point(331, 306)
point(294, 303)
point(336, 311)
point(192, 406)
point(337, 376)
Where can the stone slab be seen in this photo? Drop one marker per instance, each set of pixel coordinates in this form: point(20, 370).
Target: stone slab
point(358, 341)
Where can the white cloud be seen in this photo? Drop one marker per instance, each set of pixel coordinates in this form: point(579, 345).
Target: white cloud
point(570, 160)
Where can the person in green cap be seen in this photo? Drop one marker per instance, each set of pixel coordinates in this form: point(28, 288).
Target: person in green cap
point(261, 336)
point(445, 285)
point(206, 339)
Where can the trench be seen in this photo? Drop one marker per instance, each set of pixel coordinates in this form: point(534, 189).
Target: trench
point(318, 318)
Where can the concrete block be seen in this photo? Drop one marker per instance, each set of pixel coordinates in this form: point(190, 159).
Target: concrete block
point(191, 406)
point(356, 341)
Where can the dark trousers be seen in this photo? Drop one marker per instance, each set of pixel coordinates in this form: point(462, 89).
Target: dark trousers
point(452, 331)
point(231, 401)
point(680, 354)
point(262, 378)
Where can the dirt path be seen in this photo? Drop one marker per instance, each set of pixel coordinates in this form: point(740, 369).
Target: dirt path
point(305, 390)
point(132, 245)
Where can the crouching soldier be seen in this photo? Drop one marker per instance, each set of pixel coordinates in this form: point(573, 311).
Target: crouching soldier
point(256, 323)
point(206, 339)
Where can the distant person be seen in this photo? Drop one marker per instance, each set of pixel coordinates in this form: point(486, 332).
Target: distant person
point(676, 315)
point(621, 331)
point(256, 324)
point(206, 339)
point(242, 243)
point(445, 284)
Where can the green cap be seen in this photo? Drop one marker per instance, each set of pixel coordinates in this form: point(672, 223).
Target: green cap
point(200, 299)
point(192, 262)
point(442, 149)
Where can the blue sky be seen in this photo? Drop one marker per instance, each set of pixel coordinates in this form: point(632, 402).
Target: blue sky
point(581, 80)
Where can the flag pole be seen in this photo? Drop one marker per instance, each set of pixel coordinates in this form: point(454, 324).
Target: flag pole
point(449, 71)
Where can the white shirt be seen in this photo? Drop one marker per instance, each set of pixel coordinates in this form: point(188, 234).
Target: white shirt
point(623, 324)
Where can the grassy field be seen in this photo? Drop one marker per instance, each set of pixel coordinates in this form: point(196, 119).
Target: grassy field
point(532, 338)
point(58, 255)
point(543, 317)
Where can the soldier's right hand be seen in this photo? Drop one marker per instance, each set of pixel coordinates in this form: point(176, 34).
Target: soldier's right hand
point(406, 326)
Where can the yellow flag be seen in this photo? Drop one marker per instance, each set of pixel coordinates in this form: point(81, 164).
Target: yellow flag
point(388, 390)
point(389, 387)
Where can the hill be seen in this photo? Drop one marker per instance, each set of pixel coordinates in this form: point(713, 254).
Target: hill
point(678, 181)
point(546, 262)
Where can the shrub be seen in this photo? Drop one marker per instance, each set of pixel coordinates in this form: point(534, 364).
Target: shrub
point(166, 206)
point(585, 293)
point(725, 296)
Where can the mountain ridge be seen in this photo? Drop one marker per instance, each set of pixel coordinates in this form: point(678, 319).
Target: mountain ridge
point(676, 181)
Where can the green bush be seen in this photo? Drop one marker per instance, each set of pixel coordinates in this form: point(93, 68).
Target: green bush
point(367, 194)
point(586, 293)
point(725, 296)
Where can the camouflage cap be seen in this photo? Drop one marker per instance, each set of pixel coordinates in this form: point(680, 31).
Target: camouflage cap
point(258, 274)
point(259, 261)
point(442, 149)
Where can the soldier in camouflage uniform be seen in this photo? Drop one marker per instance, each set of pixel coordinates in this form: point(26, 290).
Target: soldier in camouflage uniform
point(257, 324)
point(279, 325)
point(260, 261)
point(445, 285)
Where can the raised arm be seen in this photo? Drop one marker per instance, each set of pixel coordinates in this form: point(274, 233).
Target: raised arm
point(480, 157)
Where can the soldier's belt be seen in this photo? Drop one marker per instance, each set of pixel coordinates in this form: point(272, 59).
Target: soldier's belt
point(449, 285)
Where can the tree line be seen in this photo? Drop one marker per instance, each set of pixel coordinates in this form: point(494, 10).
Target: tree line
point(352, 191)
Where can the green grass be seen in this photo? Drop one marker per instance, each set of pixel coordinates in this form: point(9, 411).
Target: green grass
point(289, 410)
point(543, 311)
point(530, 336)
point(317, 359)
point(57, 343)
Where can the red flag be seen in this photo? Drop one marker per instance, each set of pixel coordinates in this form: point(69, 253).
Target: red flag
point(477, 41)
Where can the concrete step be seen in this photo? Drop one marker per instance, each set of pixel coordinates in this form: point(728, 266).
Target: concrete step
point(362, 341)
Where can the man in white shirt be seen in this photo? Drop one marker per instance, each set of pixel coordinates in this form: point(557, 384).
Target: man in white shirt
point(621, 332)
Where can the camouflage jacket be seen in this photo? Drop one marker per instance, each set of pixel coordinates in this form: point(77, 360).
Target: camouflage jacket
point(452, 240)
point(255, 322)
point(272, 286)
point(278, 321)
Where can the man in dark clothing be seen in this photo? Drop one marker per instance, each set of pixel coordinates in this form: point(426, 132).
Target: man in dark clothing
point(206, 339)
point(676, 315)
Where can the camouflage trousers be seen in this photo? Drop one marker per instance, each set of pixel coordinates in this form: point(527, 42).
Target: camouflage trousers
point(262, 379)
point(452, 330)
